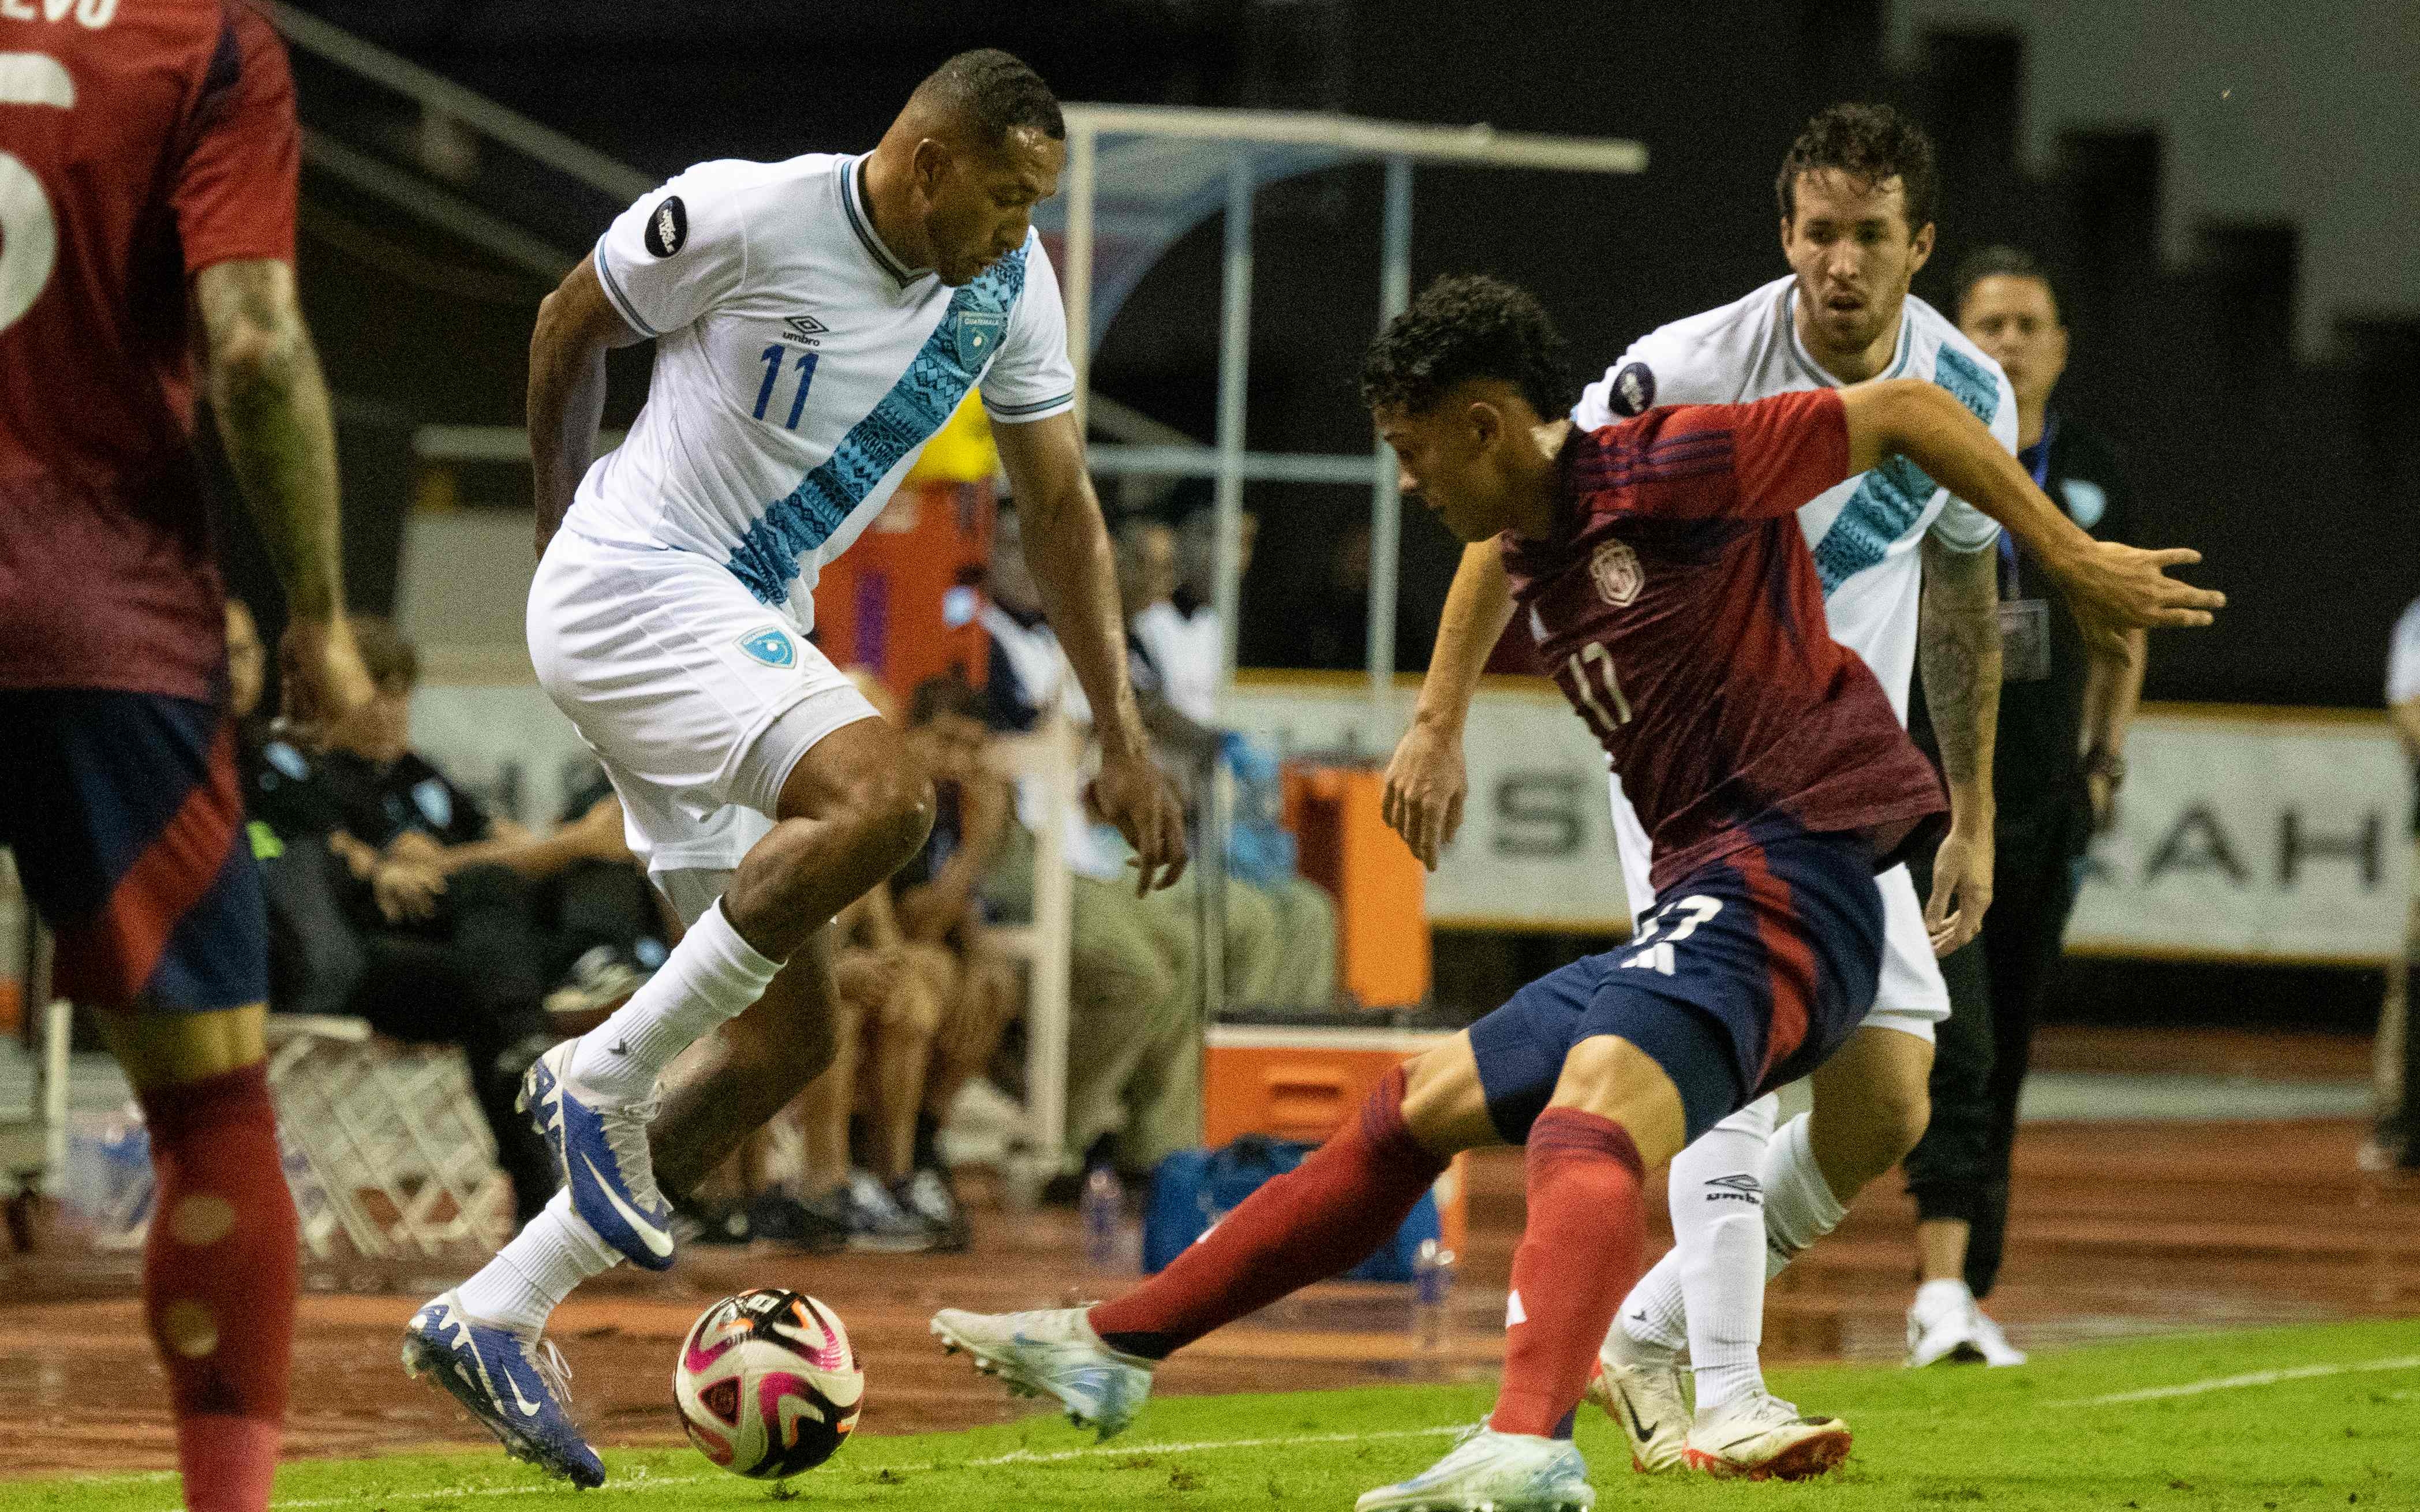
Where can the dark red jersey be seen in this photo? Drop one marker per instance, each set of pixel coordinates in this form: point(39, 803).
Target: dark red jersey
point(141, 141)
point(1677, 606)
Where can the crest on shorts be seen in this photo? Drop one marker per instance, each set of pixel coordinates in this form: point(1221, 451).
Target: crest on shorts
point(770, 645)
point(978, 333)
point(1619, 576)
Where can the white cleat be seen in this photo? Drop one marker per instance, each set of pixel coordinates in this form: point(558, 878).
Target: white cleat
point(1764, 1439)
point(1492, 1472)
point(1997, 1350)
point(1646, 1404)
point(1054, 1352)
point(1940, 1326)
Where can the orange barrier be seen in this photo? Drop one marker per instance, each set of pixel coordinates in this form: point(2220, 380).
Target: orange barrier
point(1381, 891)
point(1301, 1083)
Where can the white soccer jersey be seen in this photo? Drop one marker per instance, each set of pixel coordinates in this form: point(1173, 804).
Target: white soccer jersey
point(799, 368)
point(1864, 532)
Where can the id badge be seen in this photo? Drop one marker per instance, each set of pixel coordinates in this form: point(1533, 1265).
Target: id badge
point(2024, 640)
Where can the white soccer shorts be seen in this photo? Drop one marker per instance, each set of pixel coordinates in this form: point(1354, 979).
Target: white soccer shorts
point(697, 699)
point(1910, 995)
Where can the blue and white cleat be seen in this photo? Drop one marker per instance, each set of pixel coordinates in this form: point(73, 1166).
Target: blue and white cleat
point(601, 1150)
point(514, 1382)
point(1054, 1352)
point(1492, 1472)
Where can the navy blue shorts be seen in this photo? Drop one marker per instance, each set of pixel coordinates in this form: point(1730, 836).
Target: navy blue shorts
point(1753, 970)
point(125, 818)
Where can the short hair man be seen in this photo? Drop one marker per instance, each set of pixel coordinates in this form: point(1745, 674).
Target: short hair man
point(1906, 569)
point(2061, 740)
point(817, 320)
point(1669, 588)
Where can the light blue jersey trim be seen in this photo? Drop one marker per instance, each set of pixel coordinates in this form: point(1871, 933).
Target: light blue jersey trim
point(1014, 411)
point(935, 382)
point(1892, 497)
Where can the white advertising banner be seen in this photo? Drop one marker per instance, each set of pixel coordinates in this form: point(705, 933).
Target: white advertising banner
point(2275, 835)
point(2259, 834)
point(2248, 833)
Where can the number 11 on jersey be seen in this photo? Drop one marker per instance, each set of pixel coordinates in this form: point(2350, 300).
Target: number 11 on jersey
point(771, 357)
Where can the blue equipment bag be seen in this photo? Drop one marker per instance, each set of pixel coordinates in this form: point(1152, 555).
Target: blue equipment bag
point(1193, 1188)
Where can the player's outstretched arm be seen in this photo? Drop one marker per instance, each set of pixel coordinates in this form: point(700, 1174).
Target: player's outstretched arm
point(575, 326)
point(1426, 781)
point(2112, 588)
point(271, 403)
point(1067, 546)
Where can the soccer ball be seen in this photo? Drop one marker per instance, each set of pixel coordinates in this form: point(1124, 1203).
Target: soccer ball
point(766, 1384)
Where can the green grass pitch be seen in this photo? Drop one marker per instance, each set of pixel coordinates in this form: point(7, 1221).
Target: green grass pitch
point(2286, 1418)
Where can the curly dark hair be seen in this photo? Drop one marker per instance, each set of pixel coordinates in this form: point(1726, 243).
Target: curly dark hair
point(1999, 262)
point(1468, 326)
point(997, 93)
point(1872, 144)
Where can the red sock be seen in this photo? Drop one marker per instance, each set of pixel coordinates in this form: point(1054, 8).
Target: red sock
point(1581, 1252)
point(219, 1276)
point(1322, 1218)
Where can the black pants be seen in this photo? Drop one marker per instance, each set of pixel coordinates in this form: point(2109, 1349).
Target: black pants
point(1960, 1168)
point(474, 976)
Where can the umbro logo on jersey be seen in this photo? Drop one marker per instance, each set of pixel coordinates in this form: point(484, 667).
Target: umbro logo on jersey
point(667, 226)
point(770, 645)
point(1619, 576)
point(1740, 1188)
point(1634, 391)
point(803, 328)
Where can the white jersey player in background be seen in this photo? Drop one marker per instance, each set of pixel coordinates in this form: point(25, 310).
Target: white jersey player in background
point(1908, 577)
point(817, 321)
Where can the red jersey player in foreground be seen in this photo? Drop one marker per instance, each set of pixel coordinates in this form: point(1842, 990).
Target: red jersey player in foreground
point(1670, 589)
point(146, 197)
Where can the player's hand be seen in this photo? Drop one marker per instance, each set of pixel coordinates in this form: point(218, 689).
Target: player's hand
point(2114, 588)
point(1961, 889)
point(321, 678)
point(1426, 783)
point(406, 892)
point(1134, 795)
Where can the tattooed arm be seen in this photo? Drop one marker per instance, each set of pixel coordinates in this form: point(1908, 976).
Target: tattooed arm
point(1958, 648)
point(271, 406)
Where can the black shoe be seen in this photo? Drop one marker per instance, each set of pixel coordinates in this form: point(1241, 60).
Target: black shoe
point(788, 1221)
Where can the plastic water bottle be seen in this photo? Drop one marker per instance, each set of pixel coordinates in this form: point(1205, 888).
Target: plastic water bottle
point(1103, 1208)
point(1431, 1289)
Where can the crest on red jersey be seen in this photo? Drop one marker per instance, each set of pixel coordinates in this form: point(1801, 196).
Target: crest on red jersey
point(1619, 576)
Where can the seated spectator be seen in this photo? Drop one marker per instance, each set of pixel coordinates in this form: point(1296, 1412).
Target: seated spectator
point(393, 898)
point(356, 931)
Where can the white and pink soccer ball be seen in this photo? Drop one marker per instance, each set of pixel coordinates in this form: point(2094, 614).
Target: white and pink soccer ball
point(766, 1384)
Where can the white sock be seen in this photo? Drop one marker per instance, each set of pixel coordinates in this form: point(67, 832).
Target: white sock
point(711, 976)
point(553, 1253)
point(1799, 1207)
point(1655, 1316)
point(1718, 1232)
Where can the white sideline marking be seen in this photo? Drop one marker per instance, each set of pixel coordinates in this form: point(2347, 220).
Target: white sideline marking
point(2257, 1377)
point(1016, 1457)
